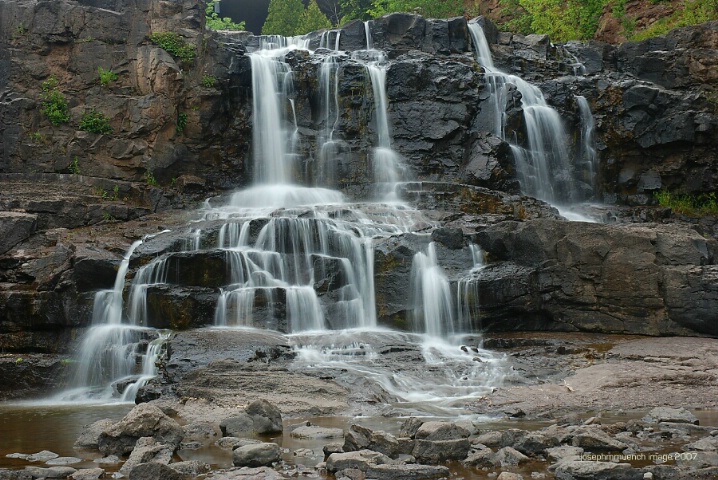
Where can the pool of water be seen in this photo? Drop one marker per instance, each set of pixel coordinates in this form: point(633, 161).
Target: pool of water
point(30, 428)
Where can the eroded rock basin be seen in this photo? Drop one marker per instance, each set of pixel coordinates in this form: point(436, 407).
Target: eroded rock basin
point(549, 383)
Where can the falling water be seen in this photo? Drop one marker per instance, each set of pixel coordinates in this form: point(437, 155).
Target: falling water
point(588, 148)
point(386, 161)
point(543, 164)
point(329, 145)
point(431, 296)
point(300, 259)
point(107, 364)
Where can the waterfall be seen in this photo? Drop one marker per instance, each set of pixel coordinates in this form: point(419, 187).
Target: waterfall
point(467, 294)
point(543, 161)
point(328, 145)
point(300, 257)
point(386, 161)
point(109, 354)
point(588, 148)
point(431, 296)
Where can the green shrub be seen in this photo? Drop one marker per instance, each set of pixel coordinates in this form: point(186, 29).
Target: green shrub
point(181, 122)
point(95, 122)
point(74, 166)
point(693, 205)
point(209, 81)
point(54, 103)
point(106, 76)
point(174, 45)
point(150, 179)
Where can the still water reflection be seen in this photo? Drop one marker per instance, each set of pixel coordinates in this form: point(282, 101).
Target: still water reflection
point(32, 428)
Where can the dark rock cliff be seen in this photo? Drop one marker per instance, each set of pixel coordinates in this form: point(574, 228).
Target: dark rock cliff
point(72, 201)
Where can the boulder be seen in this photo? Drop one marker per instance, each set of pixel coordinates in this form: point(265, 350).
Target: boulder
point(257, 455)
point(52, 472)
point(241, 424)
point(437, 451)
point(360, 460)
point(17, 227)
point(191, 468)
point(267, 417)
point(508, 456)
point(155, 471)
point(89, 438)
point(589, 470)
point(593, 439)
point(202, 432)
point(147, 450)
point(144, 420)
point(433, 431)
point(88, 474)
point(407, 472)
point(672, 415)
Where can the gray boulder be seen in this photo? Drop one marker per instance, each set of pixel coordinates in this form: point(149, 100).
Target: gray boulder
point(191, 468)
point(360, 460)
point(16, 227)
point(672, 415)
point(87, 474)
point(233, 426)
point(593, 439)
point(589, 470)
point(147, 450)
point(508, 456)
point(437, 451)
point(144, 420)
point(440, 431)
point(155, 471)
point(257, 455)
point(316, 432)
point(52, 472)
point(89, 438)
point(267, 417)
point(407, 472)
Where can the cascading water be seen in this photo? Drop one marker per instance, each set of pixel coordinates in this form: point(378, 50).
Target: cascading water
point(300, 259)
point(386, 161)
point(117, 356)
point(543, 162)
point(431, 296)
point(588, 148)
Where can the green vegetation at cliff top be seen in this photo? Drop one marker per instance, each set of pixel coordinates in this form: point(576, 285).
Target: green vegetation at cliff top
point(562, 20)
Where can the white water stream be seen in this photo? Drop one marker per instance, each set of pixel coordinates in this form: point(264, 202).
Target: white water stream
point(300, 257)
point(544, 164)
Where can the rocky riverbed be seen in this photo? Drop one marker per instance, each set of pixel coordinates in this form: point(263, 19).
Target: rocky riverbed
point(583, 406)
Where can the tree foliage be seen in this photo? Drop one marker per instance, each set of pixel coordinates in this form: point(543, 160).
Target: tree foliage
point(566, 20)
point(214, 22)
point(426, 8)
point(283, 17)
point(312, 19)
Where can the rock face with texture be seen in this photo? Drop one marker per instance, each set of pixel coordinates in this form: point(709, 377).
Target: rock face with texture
point(623, 279)
point(143, 421)
point(72, 201)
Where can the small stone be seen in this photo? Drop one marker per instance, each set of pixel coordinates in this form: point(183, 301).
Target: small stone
point(110, 459)
point(314, 432)
point(230, 443)
point(42, 456)
point(509, 476)
point(88, 474)
point(648, 476)
point(63, 461)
